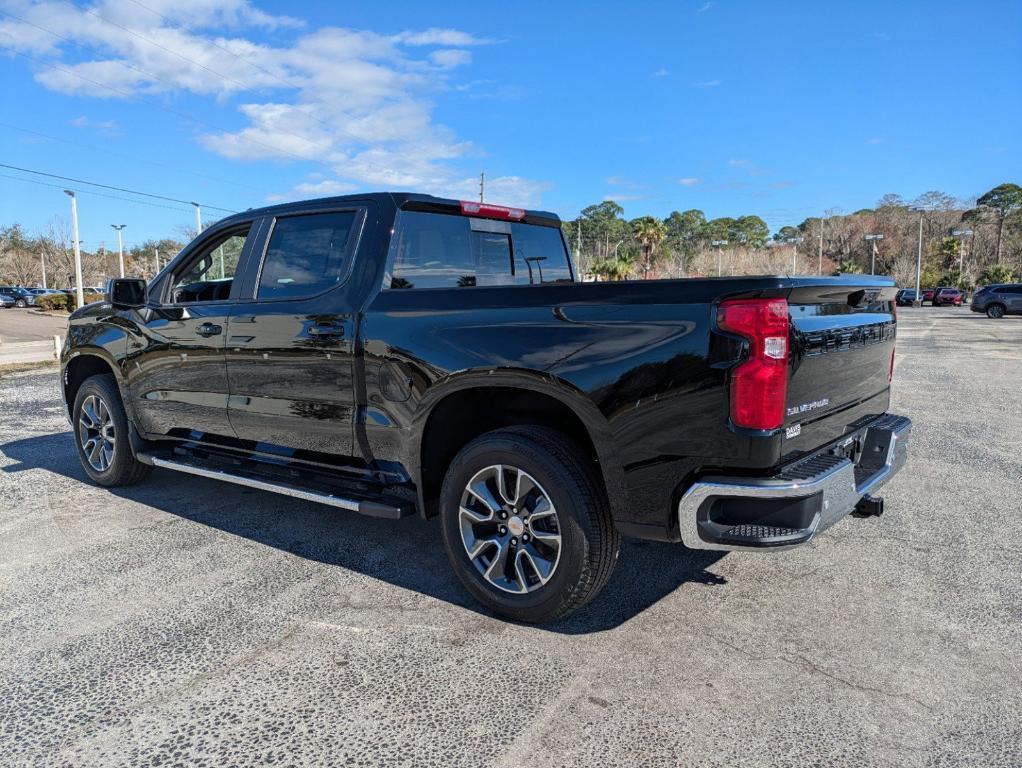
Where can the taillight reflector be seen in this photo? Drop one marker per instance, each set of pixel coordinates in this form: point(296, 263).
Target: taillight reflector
point(487, 211)
point(759, 385)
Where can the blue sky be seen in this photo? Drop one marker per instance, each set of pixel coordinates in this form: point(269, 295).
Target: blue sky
point(777, 109)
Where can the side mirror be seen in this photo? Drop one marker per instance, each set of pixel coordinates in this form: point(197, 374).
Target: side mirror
point(127, 293)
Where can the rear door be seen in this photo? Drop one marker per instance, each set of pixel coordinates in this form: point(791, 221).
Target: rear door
point(292, 337)
point(842, 346)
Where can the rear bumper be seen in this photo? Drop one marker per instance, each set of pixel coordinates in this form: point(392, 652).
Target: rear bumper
point(804, 498)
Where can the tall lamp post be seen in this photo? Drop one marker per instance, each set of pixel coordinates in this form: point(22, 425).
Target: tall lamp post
point(720, 252)
point(872, 239)
point(120, 246)
point(79, 290)
point(918, 301)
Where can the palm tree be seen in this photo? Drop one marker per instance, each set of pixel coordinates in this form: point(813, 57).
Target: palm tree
point(848, 267)
point(615, 268)
point(650, 232)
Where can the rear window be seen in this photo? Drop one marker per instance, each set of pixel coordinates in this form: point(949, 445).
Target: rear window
point(307, 254)
point(447, 251)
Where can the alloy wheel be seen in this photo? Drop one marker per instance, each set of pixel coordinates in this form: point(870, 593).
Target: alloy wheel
point(509, 529)
point(96, 433)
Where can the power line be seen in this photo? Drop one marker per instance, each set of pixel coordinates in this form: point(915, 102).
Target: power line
point(109, 186)
point(91, 192)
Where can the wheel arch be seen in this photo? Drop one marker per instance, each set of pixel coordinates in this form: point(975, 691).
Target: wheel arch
point(470, 404)
point(79, 367)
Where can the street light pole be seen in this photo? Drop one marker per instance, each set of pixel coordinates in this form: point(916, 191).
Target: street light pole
point(819, 269)
point(918, 302)
point(80, 291)
point(198, 219)
point(720, 252)
point(873, 241)
point(120, 246)
point(793, 242)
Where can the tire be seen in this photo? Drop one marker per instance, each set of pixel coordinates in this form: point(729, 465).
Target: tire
point(556, 583)
point(996, 311)
point(99, 421)
point(20, 304)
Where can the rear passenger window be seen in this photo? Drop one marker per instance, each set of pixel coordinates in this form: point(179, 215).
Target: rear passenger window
point(449, 251)
point(307, 255)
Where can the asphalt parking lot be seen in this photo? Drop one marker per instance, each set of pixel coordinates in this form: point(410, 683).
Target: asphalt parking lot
point(17, 325)
point(186, 622)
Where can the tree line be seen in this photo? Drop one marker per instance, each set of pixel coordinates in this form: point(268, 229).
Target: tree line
point(25, 257)
point(987, 246)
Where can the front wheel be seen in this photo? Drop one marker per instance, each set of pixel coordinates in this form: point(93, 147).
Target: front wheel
point(526, 524)
point(995, 311)
point(101, 434)
point(20, 303)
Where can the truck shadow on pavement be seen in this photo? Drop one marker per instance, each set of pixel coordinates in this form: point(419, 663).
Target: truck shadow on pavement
point(406, 553)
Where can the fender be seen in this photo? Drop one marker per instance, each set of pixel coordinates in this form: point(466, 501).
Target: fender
point(535, 381)
point(103, 340)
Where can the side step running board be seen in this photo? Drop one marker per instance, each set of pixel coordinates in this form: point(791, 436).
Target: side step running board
point(362, 506)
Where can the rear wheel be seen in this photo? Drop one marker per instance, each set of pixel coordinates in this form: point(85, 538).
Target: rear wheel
point(101, 434)
point(526, 524)
point(995, 311)
point(21, 303)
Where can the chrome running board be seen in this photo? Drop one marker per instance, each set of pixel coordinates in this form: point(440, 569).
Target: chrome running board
point(362, 506)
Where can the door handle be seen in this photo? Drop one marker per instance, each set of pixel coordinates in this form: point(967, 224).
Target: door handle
point(209, 329)
point(326, 330)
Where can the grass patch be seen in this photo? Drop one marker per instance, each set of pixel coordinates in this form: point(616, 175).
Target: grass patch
point(9, 368)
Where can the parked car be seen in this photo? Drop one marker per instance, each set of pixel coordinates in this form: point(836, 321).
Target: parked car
point(399, 354)
point(948, 297)
point(998, 300)
point(6, 302)
point(22, 296)
point(928, 294)
point(905, 297)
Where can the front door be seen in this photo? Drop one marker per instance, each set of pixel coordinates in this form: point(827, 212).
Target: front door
point(177, 367)
point(290, 347)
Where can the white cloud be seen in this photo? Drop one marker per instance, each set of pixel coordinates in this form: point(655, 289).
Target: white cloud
point(707, 84)
point(737, 162)
point(874, 141)
point(445, 37)
point(662, 72)
point(705, 7)
point(448, 58)
point(688, 181)
point(357, 103)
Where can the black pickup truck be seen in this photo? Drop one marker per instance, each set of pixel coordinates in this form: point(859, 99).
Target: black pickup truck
point(399, 354)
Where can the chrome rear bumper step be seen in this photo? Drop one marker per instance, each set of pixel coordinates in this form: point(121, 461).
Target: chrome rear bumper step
point(371, 507)
point(804, 498)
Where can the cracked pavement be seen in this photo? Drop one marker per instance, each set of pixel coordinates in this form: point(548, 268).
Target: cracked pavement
point(188, 622)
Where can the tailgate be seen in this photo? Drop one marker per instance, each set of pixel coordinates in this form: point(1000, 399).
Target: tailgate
point(842, 341)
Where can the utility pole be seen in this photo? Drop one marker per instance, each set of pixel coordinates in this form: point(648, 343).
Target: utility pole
point(156, 258)
point(482, 185)
point(198, 219)
point(42, 257)
point(961, 234)
point(79, 289)
point(819, 269)
point(578, 239)
point(120, 246)
point(720, 252)
point(872, 239)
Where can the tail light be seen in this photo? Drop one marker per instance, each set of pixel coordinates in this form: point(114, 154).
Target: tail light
point(759, 385)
